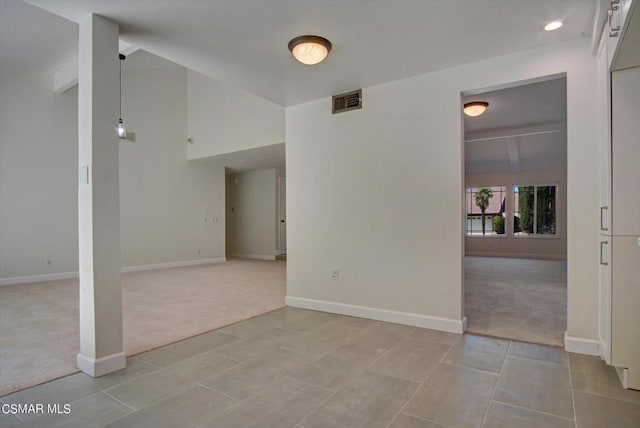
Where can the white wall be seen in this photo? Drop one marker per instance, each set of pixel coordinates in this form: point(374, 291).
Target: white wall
point(378, 192)
point(251, 214)
point(545, 247)
point(222, 119)
point(38, 177)
point(164, 197)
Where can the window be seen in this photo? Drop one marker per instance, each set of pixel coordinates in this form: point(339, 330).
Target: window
point(485, 210)
point(534, 210)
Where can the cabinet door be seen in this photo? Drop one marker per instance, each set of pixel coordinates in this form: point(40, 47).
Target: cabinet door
point(625, 155)
point(604, 294)
point(604, 103)
point(625, 299)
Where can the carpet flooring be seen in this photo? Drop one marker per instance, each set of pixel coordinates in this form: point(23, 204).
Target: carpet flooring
point(518, 299)
point(39, 321)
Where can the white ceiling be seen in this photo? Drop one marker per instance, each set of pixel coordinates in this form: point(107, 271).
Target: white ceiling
point(244, 42)
point(272, 156)
point(524, 128)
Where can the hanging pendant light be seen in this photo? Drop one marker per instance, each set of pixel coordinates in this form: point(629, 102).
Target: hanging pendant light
point(121, 130)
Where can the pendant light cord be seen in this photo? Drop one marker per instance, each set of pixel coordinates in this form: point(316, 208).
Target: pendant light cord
point(120, 57)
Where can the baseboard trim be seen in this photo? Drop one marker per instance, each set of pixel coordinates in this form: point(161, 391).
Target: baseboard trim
point(37, 278)
point(516, 255)
point(406, 318)
point(168, 265)
point(101, 366)
point(254, 256)
point(581, 345)
point(72, 275)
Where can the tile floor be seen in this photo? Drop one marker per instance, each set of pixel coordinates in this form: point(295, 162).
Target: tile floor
point(305, 369)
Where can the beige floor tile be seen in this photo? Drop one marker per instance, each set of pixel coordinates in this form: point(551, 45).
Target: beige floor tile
point(310, 321)
point(94, 410)
point(8, 420)
point(247, 378)
point(478, 352)
point(593, 411)
point(370, 400)
point(502, 415)
point(71, 388)
point(322, 339)
point(338, 367)
point(147, 389)
point(408, 421)
point(188, 408)
point(453, 396)
point(412, 359)
point(436, 336)
point(539, 352)
point(382, 335)
point(591, 374)
point(253, 346)
point(171, 354)
point(353, 321)
point(537, 385)
point(281, 404)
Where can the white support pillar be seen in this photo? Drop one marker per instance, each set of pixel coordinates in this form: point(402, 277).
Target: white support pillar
point(99, 199)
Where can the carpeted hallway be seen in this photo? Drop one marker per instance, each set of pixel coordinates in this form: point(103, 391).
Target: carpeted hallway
point(518, 299)
point(39, 321)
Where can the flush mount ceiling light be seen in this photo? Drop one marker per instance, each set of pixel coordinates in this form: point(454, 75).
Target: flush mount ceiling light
point(475, 108)
point(553, 25)
point(310, 50)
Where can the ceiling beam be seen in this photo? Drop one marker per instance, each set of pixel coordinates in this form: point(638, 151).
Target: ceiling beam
point(67, 76)
point(513, 132)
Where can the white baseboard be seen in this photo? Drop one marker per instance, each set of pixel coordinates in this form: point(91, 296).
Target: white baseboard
point(37, 278)
point(168, 265)
point(417, 320)
point(254, 256)
point(580, 345)
point(512, 255)
point(69, 275)
point(101, 366)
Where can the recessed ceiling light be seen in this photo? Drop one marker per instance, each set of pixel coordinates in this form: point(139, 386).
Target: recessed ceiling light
point(475, 108)
point(310, 50)
point(553, 25)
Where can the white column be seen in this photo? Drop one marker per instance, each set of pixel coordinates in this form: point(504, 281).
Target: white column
point(99, 199)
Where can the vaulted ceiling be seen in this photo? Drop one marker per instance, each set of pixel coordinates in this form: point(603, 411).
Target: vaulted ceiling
point(244, 42)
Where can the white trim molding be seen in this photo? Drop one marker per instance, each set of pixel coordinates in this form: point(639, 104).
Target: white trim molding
point(581, 345)
point(72, 275)
point(406, 318)
point(101, 366)
point(513, 255)
point(168, 265)
point(254, 256)
point(37, 278)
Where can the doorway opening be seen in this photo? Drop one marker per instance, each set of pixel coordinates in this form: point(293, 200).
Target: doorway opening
point(515, 212)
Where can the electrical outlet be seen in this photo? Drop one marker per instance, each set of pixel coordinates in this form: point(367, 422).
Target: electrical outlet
point(49, 262)
point(198, 252)
point(335, 274)
point(205, 220)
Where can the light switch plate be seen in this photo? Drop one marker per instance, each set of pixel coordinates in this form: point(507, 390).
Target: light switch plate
point(84, 174)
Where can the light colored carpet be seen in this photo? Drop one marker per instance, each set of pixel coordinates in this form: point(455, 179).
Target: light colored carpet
point(39, 321)
point(519, 299)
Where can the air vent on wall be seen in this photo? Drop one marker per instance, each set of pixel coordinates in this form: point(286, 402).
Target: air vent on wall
point(347, 101)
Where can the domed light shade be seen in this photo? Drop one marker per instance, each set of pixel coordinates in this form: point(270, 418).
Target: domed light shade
point(310, 50)
point(475, 108)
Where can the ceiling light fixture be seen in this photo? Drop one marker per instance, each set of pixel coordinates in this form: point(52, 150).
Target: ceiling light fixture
point(553, 25)
point(121, 130)
point(475, 108)
point(310, 50)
